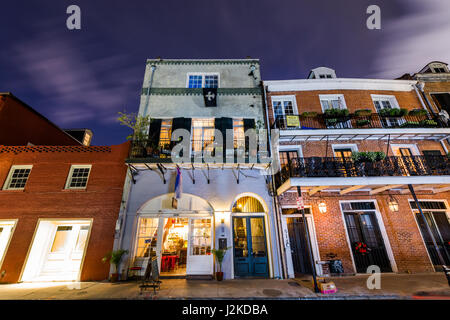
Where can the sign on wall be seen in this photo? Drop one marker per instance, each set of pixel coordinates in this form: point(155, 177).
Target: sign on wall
point(292, 121)
point(210, 96)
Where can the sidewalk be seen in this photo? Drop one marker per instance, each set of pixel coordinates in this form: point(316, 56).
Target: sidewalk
point(393, 286)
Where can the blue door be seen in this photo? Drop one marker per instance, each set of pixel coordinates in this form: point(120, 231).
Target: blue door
point(250, 250)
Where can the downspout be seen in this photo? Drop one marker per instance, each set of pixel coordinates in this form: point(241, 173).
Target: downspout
point(282, 263)
point(421, 85)
point(153, 67)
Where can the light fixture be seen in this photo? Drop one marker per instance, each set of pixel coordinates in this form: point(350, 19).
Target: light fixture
point(322, 207)
point(393, 204)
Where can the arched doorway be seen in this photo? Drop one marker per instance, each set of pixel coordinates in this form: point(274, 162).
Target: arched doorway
point(181, 238)
point(250, 249)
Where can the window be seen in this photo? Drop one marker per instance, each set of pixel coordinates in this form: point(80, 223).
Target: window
point(207, 80)
point(202, 134)
point(82, 238)
point(284, 106)
point(166, 133)
point(331, 101)
point(238, 134)
point(201, 237)
point(439, 70)
point(62, 238)
point(387, 102)
point(78, 177)
point(147, 237)
point(17, 177)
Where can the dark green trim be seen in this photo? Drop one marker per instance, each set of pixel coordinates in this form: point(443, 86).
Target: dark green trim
point(197, 62)
point(199, 91)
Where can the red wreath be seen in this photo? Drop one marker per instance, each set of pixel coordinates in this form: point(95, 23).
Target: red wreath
point(361, 247)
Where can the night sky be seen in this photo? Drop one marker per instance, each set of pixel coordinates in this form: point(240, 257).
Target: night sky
point(82, 78)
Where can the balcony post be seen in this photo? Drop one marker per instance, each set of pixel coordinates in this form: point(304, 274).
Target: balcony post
point(441, 259)
point(308, 242)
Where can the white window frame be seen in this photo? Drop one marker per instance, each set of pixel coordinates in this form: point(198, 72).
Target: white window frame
point(332, 97)
point(6, 185)
point(69, 176)
point(353, 147)
point(203, 74)
point(392, 100)
point(291, 98)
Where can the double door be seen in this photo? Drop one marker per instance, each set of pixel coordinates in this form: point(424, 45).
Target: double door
point(250, 249)
point(299, 245)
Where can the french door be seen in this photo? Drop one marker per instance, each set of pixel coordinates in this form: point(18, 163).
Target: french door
point(440, 227)
point(345, 157)
point(250, 250)
point(299, 245)
point(363, 228)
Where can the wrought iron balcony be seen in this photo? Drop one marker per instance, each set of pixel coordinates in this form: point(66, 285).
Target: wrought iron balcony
point(352, 121)
point(148, 151)
point(314, 167)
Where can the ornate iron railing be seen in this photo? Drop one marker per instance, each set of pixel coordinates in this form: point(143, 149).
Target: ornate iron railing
point(151, 152)
point(352, 121)
point(313, 167)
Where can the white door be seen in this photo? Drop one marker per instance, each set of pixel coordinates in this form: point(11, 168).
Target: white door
point(200, 260)
point(65, 253)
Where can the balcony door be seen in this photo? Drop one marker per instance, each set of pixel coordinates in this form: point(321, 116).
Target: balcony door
point(407, 160)
point(345, 164)
point(202, 135)
point(388, 103)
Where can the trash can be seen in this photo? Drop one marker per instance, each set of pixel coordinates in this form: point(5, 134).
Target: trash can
point(447, 273)
point(335, 266)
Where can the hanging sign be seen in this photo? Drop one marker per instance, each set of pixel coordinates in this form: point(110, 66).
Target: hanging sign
point(292, 121)
point(300, 204)
point(210, 96)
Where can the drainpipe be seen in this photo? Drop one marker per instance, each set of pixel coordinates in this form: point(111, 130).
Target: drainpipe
point(421, 85)
point(441, 259)
point(443, 145)
point(282, 263)
point(153, 67)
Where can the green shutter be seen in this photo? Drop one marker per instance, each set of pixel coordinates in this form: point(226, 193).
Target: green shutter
point(154, 130)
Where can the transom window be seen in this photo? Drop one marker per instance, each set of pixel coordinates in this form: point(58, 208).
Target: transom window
point(284, 106)
point(78, 177)
point(207, 80)
point(17, 177)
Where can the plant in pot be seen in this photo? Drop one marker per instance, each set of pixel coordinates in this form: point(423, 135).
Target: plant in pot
point(417, 112)
point(363, 112)
point(393, 112)
point(362, 122)
point(114, 258)
point(309, 114)
point(219, 254)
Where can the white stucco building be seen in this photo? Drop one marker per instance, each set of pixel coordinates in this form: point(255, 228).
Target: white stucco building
point(224, 204)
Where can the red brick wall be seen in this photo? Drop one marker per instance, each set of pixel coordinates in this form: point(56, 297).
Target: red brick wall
point(19, 125)
point(44, 197)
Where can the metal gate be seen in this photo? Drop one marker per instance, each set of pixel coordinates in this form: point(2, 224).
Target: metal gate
point(299, 246)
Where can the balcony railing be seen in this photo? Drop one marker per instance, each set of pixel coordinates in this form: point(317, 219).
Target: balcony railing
point(314, 167)
point(151, 152)
point(352, 121)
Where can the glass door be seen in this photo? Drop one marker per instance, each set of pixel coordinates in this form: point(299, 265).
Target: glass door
point(344, 156)
point(199, 257)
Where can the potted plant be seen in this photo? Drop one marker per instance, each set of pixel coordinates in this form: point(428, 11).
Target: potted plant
point(336, 113)
point(428, 123)
point(362, 122)
point(393, 113)
point(370, 156)
point(363, 112)
point(417, 112)
point(410, 124)
point(219, 254)
point(114, 258)
point(309, 114)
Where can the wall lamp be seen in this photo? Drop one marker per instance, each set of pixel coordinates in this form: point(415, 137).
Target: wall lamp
point(322, 207)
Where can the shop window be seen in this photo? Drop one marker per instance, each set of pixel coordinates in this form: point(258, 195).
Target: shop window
point(147, 237)
point(201, 237)
point(248, 204)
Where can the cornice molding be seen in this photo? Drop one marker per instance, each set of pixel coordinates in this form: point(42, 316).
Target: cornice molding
point(199, 91)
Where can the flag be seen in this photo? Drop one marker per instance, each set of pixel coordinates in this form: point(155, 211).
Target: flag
point(210, 96)
point(178, 184)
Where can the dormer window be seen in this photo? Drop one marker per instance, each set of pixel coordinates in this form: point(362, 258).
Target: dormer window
point(203, 80)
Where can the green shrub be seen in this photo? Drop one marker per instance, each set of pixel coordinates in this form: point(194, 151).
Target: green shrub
point(362, 123)
point(309, 114)
point(394, 112)
point(363, 112)
point(370, 156)
point(331, 113)
point(417, 112)
point(428, 123)
point(410, 124)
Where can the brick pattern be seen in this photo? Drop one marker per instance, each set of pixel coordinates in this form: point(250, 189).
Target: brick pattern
point(19, 149)
point(44, 197)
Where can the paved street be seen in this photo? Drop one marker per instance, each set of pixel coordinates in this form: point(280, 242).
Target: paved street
point(393, 286)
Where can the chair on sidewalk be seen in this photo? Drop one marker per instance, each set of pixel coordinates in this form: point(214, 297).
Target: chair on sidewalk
point(151, 276)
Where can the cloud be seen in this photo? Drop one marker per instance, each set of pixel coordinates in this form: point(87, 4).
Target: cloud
point(415, 39)
point(74, 85)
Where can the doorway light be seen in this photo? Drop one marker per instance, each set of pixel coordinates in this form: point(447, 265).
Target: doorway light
point(322, 207)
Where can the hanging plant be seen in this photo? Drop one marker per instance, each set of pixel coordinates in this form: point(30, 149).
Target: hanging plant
point(363, 112)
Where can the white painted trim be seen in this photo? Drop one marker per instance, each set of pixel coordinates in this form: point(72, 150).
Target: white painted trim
point(339, 97)
point(8, 221)
point(283, 98)
point(9, 177)
point(352, 146)
point(339, 84)
point(69, 176)
point(413, 147)
point(381, 226)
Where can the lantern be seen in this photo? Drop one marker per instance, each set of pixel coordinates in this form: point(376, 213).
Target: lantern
point(322, 207)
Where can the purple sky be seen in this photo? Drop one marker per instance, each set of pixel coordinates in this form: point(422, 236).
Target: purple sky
point(83, 78)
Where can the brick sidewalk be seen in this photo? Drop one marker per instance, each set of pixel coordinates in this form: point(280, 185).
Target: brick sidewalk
point(393, 286)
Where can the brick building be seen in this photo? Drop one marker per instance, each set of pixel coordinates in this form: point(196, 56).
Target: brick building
point(351, 198)
point(59, 201)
